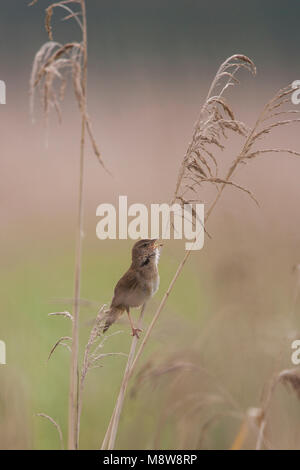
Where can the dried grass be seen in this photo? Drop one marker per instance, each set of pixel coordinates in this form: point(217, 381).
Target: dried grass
point(211, 130)
point(200, 165)
point(92, 355)
point(54, 64)
point(56, 425)
point(289, 378)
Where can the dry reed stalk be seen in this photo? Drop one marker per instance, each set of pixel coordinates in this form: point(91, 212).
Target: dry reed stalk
point(287, 377)
point(110, 436)
point(60, 342)
point(56, 425)
point(51, 64)
point(92, 356)
point(73, 390)
point(216, 118)
point(253, 418)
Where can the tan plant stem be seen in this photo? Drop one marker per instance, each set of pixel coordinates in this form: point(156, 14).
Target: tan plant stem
point(73, 387)
point(110, 436)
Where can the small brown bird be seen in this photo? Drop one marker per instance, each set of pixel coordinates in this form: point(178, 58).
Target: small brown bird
point(138, 284)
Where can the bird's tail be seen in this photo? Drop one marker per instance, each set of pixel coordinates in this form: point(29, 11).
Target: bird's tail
point(112, 314)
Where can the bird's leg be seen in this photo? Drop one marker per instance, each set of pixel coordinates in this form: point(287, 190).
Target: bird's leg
point(135, 331)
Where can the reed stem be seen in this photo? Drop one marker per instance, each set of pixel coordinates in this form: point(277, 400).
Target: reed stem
point(73, 387)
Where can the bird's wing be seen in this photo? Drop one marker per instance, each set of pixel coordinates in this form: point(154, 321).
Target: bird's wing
point(126, 284)
point(128, 281)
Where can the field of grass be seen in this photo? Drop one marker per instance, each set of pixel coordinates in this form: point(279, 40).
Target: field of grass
point(225, 331)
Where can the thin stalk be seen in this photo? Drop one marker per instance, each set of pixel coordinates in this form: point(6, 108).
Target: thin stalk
point(73, 391)
point(73, 388)
point(111, 433)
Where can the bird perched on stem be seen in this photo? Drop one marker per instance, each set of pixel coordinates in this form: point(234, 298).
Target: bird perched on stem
point(138, 284)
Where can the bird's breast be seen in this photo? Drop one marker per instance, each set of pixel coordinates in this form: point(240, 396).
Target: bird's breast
point(155, 284)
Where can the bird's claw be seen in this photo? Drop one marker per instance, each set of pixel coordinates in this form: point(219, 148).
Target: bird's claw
point(136, 331)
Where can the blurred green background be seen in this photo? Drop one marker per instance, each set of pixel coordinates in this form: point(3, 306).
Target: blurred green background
point(229, 323)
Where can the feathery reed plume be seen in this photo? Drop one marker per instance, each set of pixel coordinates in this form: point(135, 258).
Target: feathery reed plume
point(92, 356)
point(287, 377)
point(215, 121)
point(54, 63)
point(200, 166)
point(291, 377)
